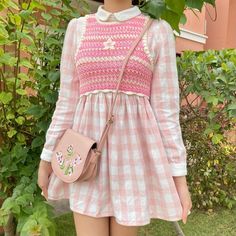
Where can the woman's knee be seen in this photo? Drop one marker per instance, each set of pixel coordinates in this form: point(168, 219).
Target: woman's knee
point(91, 226)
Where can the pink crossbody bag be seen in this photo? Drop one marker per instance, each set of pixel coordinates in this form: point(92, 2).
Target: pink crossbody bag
point(76, 157)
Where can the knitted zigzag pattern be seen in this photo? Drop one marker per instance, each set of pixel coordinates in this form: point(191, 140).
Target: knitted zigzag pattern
point(101, 53)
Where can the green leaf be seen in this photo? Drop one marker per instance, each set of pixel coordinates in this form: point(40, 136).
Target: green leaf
point(43, 125)
point(183, 19)
point(212, 99)
point(54, 75)
point(172, 17)
point(212, 2)
point(18, 151)
point(7, 59)
point(55, 22)
point(154, 8)
point(20, 120)
point(37, 5)
point(10, 116)
point(208, 131)
point(5, 97)
point(4, 216)
point(29, 224)
point(36, 110)
point(23, 35)
point(232, 110)
point(21, 222)
point(13, 5)
point(216, 126)
point(52, 41)
point(46, 16)
point(51, 97)
point(24, 14)
point(198, 4)
point(216, 138)
point(15, 19)
point(21, 91)
point(232, 106)
point(176, 6)
point(3, 32)
point(225, 66)
point(11, 133)
point(38, 141)
point(20, 137)
point(24, 199)
point(222, 79)
point(26, 63)
point(23, 77)
point(55, 12)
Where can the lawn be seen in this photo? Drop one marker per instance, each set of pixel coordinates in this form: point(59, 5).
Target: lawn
point(220, 222)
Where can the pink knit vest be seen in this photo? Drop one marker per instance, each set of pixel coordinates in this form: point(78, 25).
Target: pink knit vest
point(102, 50)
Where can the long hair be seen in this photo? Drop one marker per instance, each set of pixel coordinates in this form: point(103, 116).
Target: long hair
point(135, 2)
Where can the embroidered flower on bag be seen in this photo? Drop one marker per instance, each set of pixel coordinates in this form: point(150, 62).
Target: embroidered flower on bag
point(59, 158)
point(109, 44)
point(79, 157)
point(70, 151)
point(61, 162)
point(74, 161)
point(77, 160)
point(70, 170)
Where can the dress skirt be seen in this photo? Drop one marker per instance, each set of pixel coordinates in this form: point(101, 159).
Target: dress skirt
point(134, 183)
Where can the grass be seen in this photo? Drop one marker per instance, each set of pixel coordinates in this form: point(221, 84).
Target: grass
point(221, 222)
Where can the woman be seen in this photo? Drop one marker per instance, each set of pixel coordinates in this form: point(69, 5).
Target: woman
point(143, 164)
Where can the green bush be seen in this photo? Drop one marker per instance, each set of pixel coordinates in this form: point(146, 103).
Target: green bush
point(211, 159)
point(211, 76)
point(32, 34)
point(211, 168)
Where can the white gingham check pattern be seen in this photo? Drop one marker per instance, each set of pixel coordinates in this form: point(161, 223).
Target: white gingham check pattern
point(144, 149)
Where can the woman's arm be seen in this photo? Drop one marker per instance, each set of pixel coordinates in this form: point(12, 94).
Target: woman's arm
point(165, 96)
point(68, 93)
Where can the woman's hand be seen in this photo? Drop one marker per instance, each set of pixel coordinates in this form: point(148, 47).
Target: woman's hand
point(182, 188)
point(44, 172)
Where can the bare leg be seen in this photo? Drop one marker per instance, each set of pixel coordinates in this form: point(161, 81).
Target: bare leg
point(91, 226)
point(118, 230)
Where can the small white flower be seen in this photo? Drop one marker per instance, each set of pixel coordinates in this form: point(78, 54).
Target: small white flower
point(109, 44)
point(70, 149)
point(61, 162)
point(75, 161)
point(188, 144)
point(70, 171)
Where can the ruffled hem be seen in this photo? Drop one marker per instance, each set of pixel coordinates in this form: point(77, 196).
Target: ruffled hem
point(113, 91)
point(118, 220)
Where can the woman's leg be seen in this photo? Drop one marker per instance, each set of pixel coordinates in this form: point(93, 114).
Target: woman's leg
point(118, 230)
point(91, 226)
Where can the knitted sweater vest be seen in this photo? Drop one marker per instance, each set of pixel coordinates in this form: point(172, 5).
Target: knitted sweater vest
point(102, 51)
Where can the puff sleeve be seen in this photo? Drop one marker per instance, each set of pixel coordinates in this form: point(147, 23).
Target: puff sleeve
point(68, 93)
point(164, 98)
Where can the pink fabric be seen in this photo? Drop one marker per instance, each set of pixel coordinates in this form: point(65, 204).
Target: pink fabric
point(145, 147)
point(99, 68)
point(135, 182)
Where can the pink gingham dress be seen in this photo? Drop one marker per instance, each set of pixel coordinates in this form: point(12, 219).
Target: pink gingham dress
point(144, 148)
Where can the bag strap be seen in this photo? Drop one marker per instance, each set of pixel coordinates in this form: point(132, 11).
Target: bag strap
point(111, 116)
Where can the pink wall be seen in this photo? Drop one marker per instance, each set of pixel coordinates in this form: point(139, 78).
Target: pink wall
point(222, 32)
point(231, 34)
point(185, 44)
point(195, 24)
